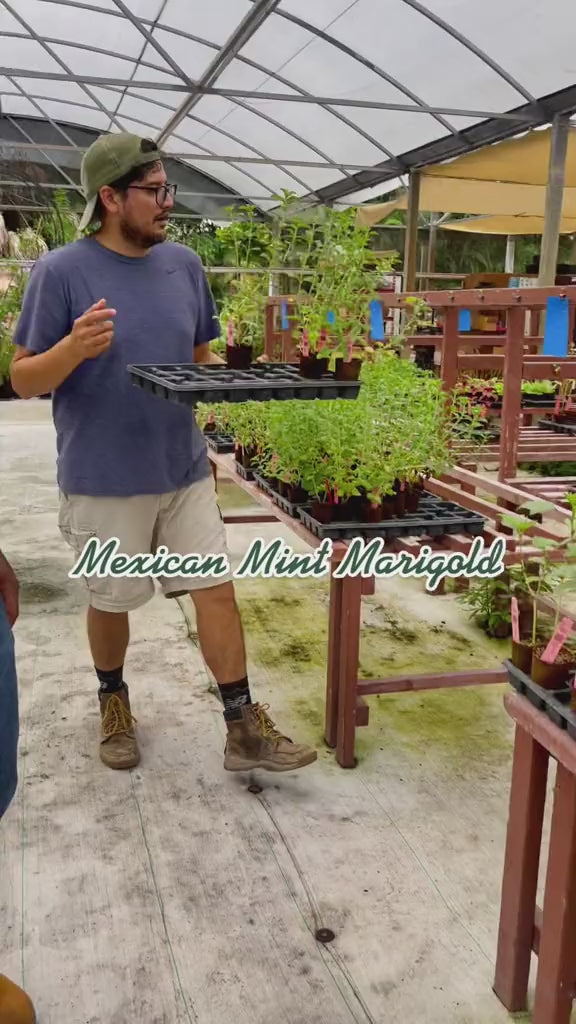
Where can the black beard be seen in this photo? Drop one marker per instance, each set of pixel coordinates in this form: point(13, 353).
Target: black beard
point(138, 237)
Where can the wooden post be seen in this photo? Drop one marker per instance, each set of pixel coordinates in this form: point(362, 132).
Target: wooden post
point(512, 398)
point(554, 200)
point(349, 657)
point(449, 370)
point(520, 879)
point(411, 234)
point(557, 954)
point(333, 662)
point(510, 254)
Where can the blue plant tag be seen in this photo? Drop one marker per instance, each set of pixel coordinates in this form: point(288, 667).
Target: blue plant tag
point(376, 321)
point(464, 321)
point(557, 327)
point(284, 316)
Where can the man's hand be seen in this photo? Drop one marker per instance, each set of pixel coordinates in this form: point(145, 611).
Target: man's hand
point(9, 589)
point(92, 332)
point(204, 354)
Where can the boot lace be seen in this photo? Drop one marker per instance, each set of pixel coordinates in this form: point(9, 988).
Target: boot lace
point(116, 718)
point(265, 723)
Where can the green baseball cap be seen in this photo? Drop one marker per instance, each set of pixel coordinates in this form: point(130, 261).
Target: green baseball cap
point(110, 158)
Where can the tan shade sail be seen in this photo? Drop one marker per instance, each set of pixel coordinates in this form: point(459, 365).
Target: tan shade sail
point(507, 179)
point(507, 225)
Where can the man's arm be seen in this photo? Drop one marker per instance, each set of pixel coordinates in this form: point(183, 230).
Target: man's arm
point(204, 354)
point(37, 374)
point(9, 589)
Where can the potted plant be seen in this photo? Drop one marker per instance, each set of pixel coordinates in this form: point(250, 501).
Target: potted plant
point(549, 670)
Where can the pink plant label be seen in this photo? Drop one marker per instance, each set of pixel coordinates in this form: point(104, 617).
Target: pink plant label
point(305, 344)
point(230, 334)
point(515, 621)
point(557, 642)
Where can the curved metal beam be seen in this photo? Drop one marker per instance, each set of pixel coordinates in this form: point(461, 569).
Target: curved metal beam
point(350, 52)
point(34, 35)
point(141, 55)
point(244, 31)
point(481, 54)
point(214, 46)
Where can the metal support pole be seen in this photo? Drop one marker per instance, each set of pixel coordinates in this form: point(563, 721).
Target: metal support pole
point(510, 254)
point(554, 200)
point(411, 238)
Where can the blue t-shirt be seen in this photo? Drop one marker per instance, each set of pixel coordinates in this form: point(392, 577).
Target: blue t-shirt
point(112, 437)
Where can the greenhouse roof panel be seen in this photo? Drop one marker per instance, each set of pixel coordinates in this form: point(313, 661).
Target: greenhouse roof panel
point(328, 98)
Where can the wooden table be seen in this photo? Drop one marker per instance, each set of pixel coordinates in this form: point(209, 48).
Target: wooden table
point(551, 932)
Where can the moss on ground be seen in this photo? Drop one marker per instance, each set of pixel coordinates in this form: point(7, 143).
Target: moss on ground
point(232, 496)
point(286, 624)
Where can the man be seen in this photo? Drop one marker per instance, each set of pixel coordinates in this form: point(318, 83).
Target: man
point(15, 1006)
point(130, 465)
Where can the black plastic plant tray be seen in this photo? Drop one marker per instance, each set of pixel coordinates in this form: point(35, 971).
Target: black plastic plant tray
point(190, 383)
point(434, 518)
point(278, 499)
point(246, 474)
point(554, 703)
point(560, 428)
point(223, 444)
point(261, 483)
point(529, 402)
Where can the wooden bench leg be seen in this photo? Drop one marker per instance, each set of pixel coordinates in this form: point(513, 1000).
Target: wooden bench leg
point(557, 955)
point(520, 879)
point(333, 665)
point(349, 658)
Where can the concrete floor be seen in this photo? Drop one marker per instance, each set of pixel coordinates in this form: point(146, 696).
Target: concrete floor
point(170, 893)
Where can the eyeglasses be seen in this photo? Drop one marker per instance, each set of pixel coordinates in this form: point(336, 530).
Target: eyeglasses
point(161, 191)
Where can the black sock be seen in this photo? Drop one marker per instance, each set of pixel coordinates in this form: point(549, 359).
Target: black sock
point(235, 696)
point(110, 680)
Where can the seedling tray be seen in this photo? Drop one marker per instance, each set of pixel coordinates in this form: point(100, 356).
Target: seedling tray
point(246, 474)
point(560, 428)
point(190, 383)
point(434, 518)
point(223, 444)
point(554, 703)
point(278, 499)
point(529, 402)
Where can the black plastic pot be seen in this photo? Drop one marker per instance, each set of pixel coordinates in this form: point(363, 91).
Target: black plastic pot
point(238, 357)
point(313, 366)
point(348, 370)
point(322, 511)
point(522, 656)
point(550, 677)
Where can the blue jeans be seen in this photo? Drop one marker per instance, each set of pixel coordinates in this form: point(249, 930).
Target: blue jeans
point(9, 724)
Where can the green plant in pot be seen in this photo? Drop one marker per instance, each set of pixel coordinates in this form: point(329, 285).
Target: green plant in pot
point(242, 319)
point(551, 581)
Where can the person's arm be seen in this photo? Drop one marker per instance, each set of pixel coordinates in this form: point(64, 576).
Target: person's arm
point(204, 354)
point(207, 322)
point(9, 589)
point(34, 374)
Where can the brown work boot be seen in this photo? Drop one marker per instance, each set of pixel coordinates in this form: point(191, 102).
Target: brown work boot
point(15, 1006)
point(254, 742)
point(118, 746)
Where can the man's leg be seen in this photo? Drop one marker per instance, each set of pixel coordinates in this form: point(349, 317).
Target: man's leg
point(190, 523)
point(15, 1006)
point(131, 520)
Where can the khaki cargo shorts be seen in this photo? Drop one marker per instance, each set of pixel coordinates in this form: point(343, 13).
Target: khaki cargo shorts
point(187, 522)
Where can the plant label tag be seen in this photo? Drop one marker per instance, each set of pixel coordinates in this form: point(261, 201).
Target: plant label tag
point(230, 334)
point(558, 640)
point(515, 621)
point(305, 344)
point(558, 406)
